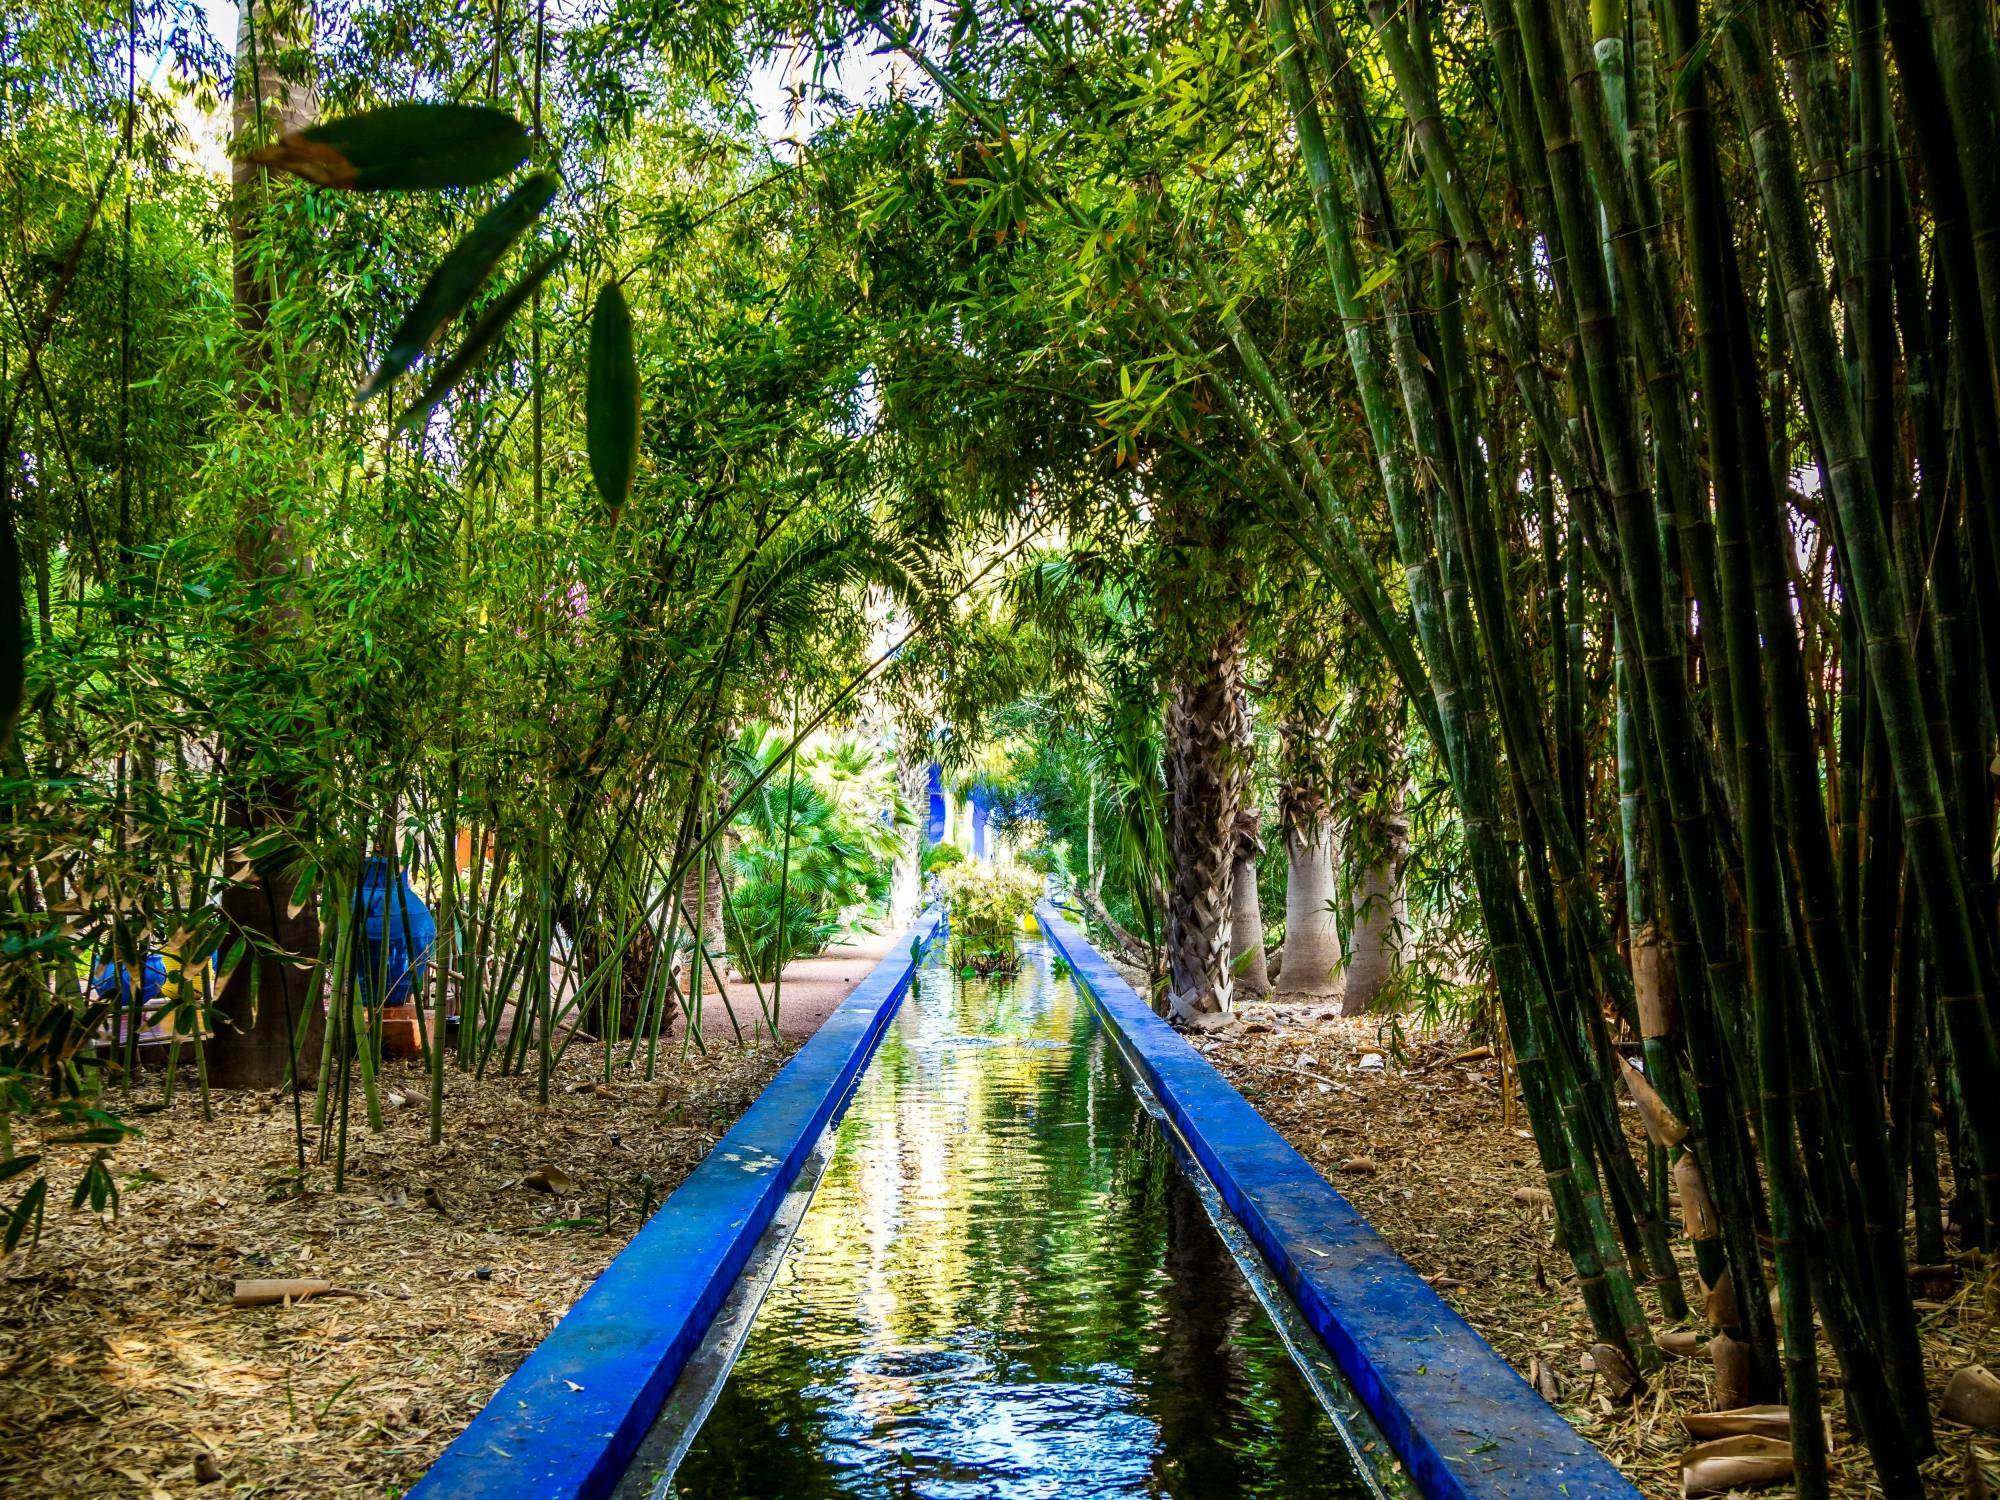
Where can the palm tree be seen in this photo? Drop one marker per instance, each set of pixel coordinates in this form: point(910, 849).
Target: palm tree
point(1309, 961)
point(1206, 776)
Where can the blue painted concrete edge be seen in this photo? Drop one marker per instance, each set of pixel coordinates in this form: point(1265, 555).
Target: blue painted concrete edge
point(566, 1423)
point(1466, 1426)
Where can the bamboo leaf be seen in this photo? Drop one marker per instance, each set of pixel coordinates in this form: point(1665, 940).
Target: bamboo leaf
point(15, 1166)
point(484, 333)
point(97, 1135)
point(403, 148)
point(28, 1209)
point(1691, 67)
point(13, 631)
point(611, 406)
point(1377, 280)
point(459, 276)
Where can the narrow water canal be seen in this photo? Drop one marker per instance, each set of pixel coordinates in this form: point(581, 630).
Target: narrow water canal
point(1005, 1288)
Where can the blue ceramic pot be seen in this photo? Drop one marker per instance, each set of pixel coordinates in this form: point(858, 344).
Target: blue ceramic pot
point(395, 937)
point(110, 981)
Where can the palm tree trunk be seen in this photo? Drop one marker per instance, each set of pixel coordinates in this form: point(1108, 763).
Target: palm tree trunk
point(1310, 962)
point(1375, 932)
point(1205, 775)
point(912, 783)
point(1246, 915)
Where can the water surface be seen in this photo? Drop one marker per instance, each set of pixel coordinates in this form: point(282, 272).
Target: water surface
point(1004, 1288)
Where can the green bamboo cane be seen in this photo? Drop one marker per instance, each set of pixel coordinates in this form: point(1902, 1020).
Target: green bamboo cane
point(1742, 485)
point(1461, 736)
point(1766, 928)
point(544, 941)
point(1878, 597)
point(1518, 717)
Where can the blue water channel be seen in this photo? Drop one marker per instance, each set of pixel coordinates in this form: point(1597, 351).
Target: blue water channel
point(1005, 1287)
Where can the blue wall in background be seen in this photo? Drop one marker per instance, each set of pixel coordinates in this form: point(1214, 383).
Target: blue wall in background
point(934, 831)
point(980, 813)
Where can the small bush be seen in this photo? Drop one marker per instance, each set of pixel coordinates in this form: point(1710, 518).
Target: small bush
point(941, 857)
point(987, 904)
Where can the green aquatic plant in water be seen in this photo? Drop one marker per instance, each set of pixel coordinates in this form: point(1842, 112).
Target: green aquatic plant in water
point(987, 904)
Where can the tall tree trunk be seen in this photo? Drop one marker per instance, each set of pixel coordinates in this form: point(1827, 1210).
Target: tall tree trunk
point(1205, 777)
point(1246, 914)
point(264, 1010)
point(1376, 912)
point(913, 785)
point(1309, 963)
point(1376, 936)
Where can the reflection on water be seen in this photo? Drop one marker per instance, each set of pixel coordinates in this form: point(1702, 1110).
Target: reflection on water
point(1004, 1288)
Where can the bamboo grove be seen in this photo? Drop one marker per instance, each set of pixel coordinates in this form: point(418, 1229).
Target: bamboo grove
point(1594, 408)
point(274, 635)
point(1669, 338)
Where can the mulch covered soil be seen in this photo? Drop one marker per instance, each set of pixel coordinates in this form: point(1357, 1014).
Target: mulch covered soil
point(1421, 1148)
point(125, 1369)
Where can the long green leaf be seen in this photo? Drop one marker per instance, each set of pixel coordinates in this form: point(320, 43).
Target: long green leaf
point(26, 1211)
point(97, 1135)
point(611, 407)
point(459, 276)
point(13, 631)
point(404, 147)
point(477, 342)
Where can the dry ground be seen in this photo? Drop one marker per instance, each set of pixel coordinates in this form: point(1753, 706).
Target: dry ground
point(122, 1360)
point(1436, 1174)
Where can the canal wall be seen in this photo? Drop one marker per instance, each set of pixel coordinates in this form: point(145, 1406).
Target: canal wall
point(1464, 1423)
point(566, 1423)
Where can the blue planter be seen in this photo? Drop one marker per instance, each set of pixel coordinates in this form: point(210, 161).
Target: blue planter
point(395, 918)
point(113, 981)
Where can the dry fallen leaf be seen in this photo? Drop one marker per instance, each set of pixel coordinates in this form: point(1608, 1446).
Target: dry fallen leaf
point(550, 1180)
point(1678, 1343)
point(262, 1293)
point(1621, 1379)
point(1542, 1377)
point(1972, 1399)
point(1759, 1421)
point(1734, 1463)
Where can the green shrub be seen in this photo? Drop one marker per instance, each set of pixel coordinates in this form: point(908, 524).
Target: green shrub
point(826, 820)
point(986, 904)
point(942, 857)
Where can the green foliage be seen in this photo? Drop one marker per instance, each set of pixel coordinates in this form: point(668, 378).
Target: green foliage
point(987, 904)
point(812, 851)
point(941, 857)
point(13, 632)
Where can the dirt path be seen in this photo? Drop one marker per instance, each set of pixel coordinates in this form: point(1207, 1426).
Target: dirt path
point(814, 986)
